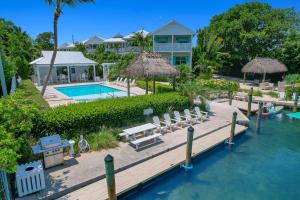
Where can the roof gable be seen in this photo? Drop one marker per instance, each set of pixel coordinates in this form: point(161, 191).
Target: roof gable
point(94, 40)
point(173, 28)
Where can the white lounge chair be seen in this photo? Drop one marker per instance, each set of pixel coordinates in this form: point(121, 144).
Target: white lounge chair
point(117, 80)
point(188, 117)
point(168, 121)
point(281, 96)
point(158, 123)
point(294, 97)
point(179, 121)
point(83, 77)
point(201, 114)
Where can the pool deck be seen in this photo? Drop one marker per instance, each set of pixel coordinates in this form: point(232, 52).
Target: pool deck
point(55, 98)
point(87, 170)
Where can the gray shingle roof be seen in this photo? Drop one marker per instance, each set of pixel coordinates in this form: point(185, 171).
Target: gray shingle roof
point(63, 58)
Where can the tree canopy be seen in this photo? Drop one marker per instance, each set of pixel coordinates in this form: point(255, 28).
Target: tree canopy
point(253, 30)
point(44, 41)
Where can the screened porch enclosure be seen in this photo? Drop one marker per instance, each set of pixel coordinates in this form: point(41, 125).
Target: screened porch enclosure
point(65, 74)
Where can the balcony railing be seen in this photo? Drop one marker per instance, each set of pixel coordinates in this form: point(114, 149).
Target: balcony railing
point(174, 47)
point(124, 50)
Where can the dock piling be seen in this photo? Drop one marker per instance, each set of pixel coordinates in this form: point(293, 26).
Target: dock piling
point(258, 122)
point(249, 102)
point(232, 131)
point(189, 144)
point(110, 177)
point(295, 102)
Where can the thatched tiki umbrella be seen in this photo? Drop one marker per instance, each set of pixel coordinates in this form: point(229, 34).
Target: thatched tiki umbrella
point(263, 66)
point(150, 65)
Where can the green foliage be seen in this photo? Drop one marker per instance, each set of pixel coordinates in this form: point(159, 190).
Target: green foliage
point(290, 52)
point(104, 139)
point(273, 94)
point(74, 118)
point(139, 39)
point(17, 48)
point(185, 73)
point(253, 30)
point(208, 52)
point(292, 78)
point(44, 41)
point(8, 151)
point(290, 90)
point(33, 96)
point(80, 47)
point(17, 118)
point(159, 88)
point(221, 85)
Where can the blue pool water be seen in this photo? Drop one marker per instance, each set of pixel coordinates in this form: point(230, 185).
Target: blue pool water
point(259, 166)
point(90, 92)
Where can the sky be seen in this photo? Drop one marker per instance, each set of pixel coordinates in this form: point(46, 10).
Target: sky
point(108, 17)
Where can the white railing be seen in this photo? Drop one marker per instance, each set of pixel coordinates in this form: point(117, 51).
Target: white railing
point(174, 47)
point(124, 50)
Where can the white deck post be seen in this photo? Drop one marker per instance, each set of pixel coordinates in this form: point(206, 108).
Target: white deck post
point(69, 76)
point(191, 53)
point(38, 74)
point(94, 69)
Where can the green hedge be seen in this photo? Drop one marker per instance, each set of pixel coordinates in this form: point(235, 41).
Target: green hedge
point(160, 88)
point(110, 113)
point(32, 94)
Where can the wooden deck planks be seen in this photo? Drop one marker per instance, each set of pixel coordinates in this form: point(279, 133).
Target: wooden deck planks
point(128, 179)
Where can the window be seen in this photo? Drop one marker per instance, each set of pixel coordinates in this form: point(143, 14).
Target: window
point(181, 60)
point(162, 39)
point(182, 40)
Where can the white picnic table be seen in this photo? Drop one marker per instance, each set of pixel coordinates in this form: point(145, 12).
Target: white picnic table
point(131, 132)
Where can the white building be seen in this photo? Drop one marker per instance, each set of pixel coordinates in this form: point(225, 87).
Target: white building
point(91, 44)
point(174, 41)
point(123, 44)
point(69, 67)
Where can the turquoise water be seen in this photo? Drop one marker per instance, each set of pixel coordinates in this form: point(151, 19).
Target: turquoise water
point(81, 90)
point(259, 166)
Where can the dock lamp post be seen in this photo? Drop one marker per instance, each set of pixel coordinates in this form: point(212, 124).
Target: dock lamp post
point(110, 177)
point(189, 144)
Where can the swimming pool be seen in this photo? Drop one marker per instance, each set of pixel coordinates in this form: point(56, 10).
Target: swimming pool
point(90, 92)
point(259, 166)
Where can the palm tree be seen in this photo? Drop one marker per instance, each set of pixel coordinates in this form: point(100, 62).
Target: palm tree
point(58, 4)
point(209, 51)
point(140, 39)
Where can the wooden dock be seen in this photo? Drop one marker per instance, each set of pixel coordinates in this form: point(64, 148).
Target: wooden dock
point(145, 171)
point(241, 105)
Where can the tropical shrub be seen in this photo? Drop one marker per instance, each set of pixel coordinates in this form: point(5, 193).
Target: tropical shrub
point(103, 140)
point(159, 88)
point(32, 95)
point(72, 119)
point(219, 84)
point(17, 118)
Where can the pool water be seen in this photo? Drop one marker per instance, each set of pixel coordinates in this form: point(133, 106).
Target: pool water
point(259, 166)
point(90, 92)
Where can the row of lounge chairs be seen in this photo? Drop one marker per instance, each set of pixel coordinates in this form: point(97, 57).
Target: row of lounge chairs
point(123, 82)
point(179, 121)
point(152, 131)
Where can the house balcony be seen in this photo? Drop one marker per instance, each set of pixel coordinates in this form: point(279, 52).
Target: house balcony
point(175, 47)
point(124, 50)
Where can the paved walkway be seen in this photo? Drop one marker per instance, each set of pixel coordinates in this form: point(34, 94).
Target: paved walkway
point(89, 167)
